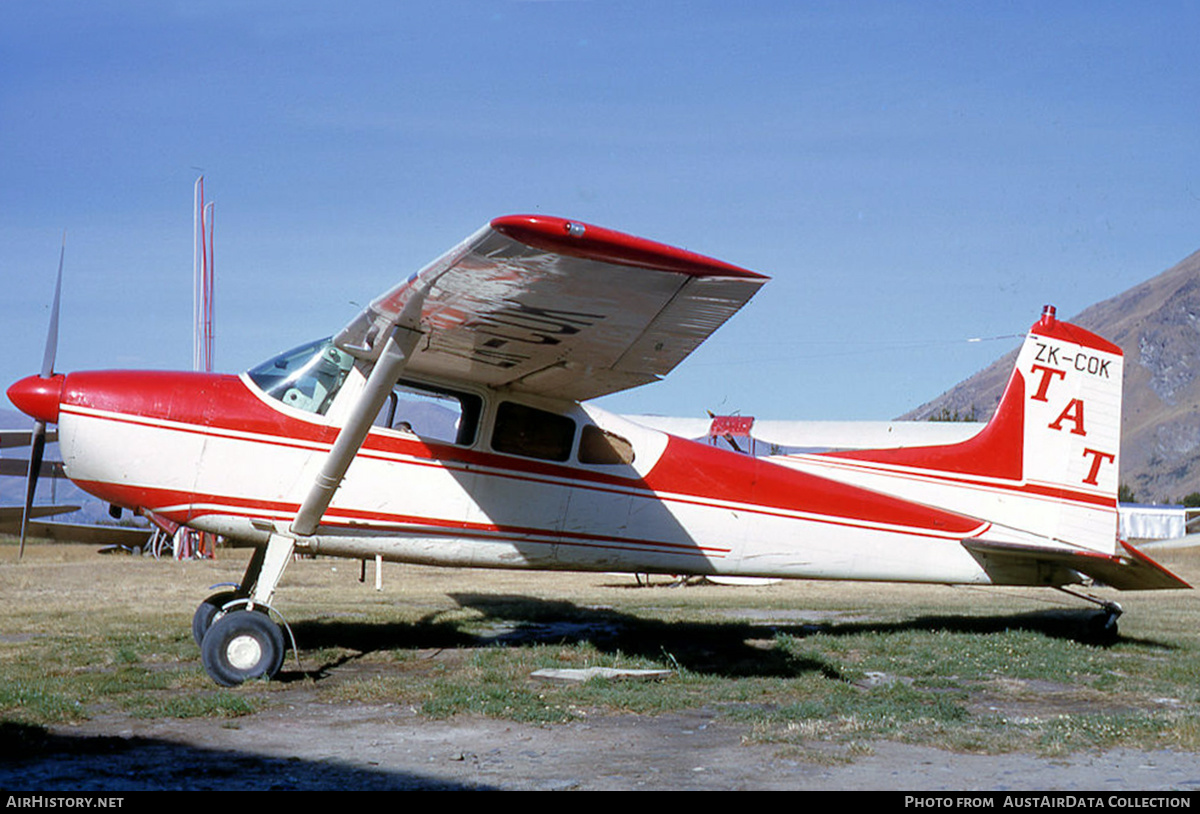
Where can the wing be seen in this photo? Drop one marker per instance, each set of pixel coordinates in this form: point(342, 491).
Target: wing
point(10, 516)
point(10, 523)
point(82, 533)
point(555, 307)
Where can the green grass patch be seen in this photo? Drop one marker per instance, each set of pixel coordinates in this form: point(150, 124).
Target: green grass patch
point(194, 705)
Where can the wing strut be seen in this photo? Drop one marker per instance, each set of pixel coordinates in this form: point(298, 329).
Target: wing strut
point(387, 370)
point(384, 374)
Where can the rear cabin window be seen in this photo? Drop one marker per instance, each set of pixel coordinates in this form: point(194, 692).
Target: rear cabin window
point(431, 413)
point(597, 446)
point(532, 433)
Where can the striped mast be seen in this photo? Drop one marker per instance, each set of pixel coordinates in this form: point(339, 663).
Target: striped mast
point(199, 544)
point(202, 280)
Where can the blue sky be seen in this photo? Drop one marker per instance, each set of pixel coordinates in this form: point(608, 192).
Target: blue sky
point(911, 175)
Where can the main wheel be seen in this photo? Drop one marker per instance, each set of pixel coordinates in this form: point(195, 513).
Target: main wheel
point(203, 618)
point(240, 646)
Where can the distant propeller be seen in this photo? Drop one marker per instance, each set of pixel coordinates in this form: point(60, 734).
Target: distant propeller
point(37, 446)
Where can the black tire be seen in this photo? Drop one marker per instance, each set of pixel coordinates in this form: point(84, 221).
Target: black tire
point(203, 618)
point(241, 646)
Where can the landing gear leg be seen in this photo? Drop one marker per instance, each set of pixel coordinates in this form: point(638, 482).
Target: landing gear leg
point(242, 643)
point(216, 605)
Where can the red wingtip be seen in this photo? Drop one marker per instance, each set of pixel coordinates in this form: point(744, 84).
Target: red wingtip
point(578, 239)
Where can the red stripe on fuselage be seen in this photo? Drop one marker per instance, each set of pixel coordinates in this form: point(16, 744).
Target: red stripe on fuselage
point(192, 506)
point(707, 472)
point(691, 472)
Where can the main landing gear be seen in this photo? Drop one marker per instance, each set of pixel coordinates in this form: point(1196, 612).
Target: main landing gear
point(242, 645)
point(239, 641)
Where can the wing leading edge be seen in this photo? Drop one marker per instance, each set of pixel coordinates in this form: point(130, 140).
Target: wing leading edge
point(555, 307)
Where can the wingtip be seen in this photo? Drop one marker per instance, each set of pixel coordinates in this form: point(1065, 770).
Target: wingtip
point(590, 242)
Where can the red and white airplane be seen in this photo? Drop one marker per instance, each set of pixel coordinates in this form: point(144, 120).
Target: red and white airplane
point(448, 424)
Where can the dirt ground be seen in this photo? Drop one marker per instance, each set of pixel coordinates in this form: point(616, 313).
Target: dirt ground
point(302, 741)
point(312, 746)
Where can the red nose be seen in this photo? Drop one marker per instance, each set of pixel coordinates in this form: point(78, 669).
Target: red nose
point(38, 397)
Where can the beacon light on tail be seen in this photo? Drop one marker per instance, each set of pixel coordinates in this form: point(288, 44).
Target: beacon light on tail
point(448, 424)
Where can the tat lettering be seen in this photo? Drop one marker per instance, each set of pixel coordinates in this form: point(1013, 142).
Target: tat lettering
point(1073, 413)
point(1044, 385)
point(1098, 458)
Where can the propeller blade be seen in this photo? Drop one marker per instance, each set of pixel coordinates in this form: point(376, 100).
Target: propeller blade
point(37, 448)
point(52, 333)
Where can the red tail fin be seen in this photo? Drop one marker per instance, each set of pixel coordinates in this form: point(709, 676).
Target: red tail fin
point(1046, 463)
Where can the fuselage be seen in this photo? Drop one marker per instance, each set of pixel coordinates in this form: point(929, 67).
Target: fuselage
point(219, 454)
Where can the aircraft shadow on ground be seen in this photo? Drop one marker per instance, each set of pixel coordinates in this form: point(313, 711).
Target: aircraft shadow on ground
point(35, 759)
point(727, 648)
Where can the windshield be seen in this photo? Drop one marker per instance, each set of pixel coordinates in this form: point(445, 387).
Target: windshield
point(307, 377)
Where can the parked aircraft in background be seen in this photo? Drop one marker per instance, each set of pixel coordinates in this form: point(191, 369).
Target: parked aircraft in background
point(11, 439)
point(328, 448)
point(22, 520)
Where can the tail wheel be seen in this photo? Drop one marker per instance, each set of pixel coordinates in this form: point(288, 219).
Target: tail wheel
point(1101, 627)
point(241, 646)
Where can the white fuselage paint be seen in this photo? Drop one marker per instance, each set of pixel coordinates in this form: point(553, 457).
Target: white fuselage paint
point(499, 511)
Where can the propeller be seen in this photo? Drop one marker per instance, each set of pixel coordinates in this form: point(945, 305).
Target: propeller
point(37, 445)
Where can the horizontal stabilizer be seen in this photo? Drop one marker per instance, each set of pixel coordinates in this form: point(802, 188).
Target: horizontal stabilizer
point(1012, 563)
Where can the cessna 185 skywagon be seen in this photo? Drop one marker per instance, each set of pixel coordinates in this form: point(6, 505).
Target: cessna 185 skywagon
point(448, 425)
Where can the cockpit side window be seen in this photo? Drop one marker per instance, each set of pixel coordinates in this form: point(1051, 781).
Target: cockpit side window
point(307, 377)
point(432, 413)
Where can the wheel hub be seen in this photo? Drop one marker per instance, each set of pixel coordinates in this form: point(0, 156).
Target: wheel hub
point(243, 652)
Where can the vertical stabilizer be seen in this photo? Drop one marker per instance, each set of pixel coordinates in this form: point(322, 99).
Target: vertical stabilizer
point(1072, 438)
point(1048, 461)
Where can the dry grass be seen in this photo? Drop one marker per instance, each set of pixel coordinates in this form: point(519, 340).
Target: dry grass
point(800, 663)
